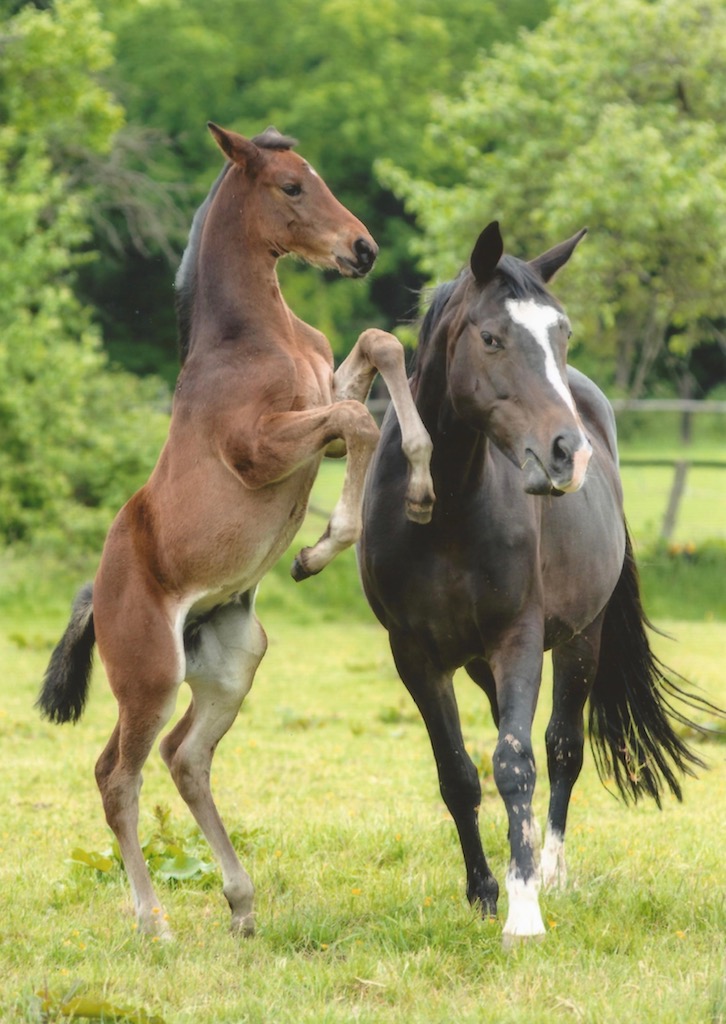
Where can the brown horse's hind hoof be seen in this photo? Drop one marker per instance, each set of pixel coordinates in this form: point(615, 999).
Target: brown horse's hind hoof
point(243, 926)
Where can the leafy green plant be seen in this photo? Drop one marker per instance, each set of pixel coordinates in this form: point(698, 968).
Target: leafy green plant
point(168, 856)
point(74, 1004)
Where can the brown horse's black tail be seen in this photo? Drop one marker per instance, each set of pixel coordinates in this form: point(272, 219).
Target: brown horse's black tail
point(65, 685)
point(632, 711)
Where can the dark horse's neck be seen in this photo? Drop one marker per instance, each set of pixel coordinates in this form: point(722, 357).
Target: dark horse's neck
point(233, 295)
point(459, 451)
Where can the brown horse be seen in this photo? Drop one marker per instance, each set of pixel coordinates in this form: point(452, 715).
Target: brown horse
point(527, 550)
point(256, 407)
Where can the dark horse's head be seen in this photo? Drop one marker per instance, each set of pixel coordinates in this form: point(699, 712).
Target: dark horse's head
point(506, 357)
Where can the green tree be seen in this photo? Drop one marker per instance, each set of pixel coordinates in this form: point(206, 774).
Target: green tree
point(609, 116)
point(353, 81)
point(73, 435)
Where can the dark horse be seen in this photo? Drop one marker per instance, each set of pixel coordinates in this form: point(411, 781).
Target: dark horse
point(507, 569)
point(256, 407)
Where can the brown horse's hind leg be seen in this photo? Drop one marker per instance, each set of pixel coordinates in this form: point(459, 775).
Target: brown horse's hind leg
point(222, 657)
point(141, 658)
point(118, 774)
point(377, 351)
point(575, 665)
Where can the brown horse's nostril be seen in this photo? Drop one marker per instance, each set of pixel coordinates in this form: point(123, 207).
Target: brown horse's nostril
point(365, 252)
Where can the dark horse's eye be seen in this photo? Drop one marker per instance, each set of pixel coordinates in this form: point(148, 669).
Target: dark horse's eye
point(292, 190)
point(490, 342)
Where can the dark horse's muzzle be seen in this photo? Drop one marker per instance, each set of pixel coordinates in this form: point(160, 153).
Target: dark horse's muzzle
point(565, 469)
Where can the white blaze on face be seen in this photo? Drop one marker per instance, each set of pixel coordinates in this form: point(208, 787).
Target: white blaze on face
point(537, 320)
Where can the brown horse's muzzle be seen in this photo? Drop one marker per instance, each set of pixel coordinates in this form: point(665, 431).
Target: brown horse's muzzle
point(361, 259)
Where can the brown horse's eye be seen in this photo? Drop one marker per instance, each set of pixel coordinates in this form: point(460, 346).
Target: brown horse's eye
point(490, 342)
point(292, 190)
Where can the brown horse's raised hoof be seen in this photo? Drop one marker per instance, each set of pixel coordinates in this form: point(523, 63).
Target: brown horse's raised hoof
point(299, 571)
point(419, 512)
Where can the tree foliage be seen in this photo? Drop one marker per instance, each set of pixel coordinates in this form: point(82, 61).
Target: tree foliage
point(605, 115)
point(352, 81)
point(73, 434)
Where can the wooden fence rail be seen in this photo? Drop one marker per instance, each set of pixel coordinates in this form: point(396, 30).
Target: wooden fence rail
point(683, 406)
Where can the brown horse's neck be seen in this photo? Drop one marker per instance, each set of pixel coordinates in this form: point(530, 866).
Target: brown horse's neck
point(237, 295)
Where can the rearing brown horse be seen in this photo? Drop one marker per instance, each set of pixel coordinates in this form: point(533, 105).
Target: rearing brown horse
point(256, 406)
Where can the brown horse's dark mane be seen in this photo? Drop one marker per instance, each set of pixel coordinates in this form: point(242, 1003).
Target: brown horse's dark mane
point(272, 139)
point(185, 283)
point(186, 278)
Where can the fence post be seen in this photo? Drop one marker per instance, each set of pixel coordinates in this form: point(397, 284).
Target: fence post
point(677, 488)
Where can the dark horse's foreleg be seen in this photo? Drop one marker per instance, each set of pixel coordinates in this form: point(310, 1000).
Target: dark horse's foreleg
point(574, 665)
point(516, 664)
point(374, 352)
point(432, 690)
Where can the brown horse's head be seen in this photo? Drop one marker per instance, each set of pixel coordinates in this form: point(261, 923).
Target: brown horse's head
point(507, 364)
point(294, 210)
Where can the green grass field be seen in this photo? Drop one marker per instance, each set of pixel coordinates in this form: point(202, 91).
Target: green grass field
point(328, 787)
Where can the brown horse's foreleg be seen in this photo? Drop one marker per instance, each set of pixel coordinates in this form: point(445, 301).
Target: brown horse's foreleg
point(377, 351)
point(360, 433)
point(285, 442)
point(221, 662)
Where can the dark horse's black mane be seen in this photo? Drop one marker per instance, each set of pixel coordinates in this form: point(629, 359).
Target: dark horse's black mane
point(186, 278)
point(515, 278)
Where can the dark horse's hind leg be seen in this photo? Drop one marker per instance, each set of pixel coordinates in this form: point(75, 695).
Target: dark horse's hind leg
point(433, 692)
point(574, 664)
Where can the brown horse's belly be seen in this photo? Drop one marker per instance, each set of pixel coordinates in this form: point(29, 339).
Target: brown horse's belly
point(222, 538)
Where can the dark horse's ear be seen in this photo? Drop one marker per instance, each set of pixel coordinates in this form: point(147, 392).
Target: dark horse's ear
point(550, 262)
point(487, 253)
point(236, 147)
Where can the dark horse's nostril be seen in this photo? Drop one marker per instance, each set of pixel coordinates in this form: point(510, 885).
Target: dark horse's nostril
point(364, 251)
point(563, 449)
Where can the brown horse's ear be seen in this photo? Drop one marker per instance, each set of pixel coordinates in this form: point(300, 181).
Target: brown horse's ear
point(236, 147)
point(551, 261)
point(487, 253)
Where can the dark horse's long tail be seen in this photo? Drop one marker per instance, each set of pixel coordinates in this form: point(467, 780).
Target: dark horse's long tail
point(632, 712)
point(65, 685)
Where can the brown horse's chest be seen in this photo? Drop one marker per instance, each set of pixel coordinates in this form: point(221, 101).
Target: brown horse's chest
point(313, 373)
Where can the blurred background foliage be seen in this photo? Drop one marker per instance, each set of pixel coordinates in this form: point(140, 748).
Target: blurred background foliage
point(427, 119)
